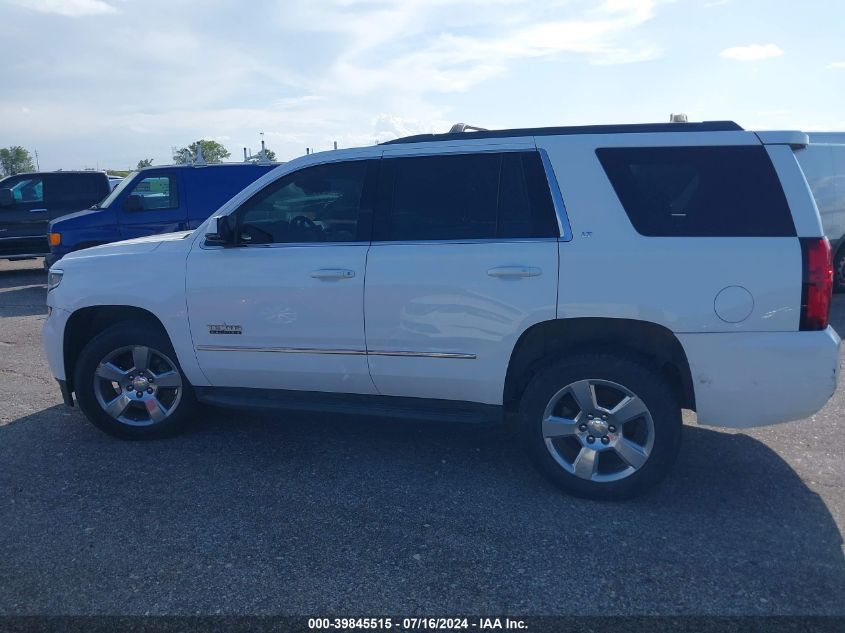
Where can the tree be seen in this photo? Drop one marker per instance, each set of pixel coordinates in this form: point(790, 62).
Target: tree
point(147, 162)
point(271, 155)
point(212, 152)
point(14, 160)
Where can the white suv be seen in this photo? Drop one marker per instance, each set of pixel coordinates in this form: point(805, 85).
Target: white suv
point(587, 283)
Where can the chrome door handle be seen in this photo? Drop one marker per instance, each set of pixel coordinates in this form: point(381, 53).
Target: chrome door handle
point(333, 273)
point(514, 271)
point(38, 210)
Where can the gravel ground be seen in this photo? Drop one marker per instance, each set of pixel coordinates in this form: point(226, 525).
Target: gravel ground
point(255, 514)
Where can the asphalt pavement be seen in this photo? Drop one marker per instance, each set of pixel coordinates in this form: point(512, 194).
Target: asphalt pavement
point(313, 515)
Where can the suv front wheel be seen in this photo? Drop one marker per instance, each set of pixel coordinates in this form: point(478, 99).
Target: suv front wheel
point(128, 383)
point(601, 426)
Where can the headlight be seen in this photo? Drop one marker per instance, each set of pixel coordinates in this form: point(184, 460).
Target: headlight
point(54, 278)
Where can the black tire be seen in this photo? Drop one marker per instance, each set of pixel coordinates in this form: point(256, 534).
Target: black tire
point(132, 334)
point(839, 271)
point(642, 381)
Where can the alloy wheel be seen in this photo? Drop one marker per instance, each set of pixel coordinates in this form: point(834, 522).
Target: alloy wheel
point(598, 430)
point(138, 385)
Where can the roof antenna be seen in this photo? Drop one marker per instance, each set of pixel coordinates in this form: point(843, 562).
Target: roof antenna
point(262, 155)
point(199, 161)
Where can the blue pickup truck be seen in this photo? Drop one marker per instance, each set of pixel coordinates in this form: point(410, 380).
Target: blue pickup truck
point(152, 200)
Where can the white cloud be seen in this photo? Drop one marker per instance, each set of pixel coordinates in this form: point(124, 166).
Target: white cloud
point(752, 52)
point(73, 8)
point(441, 46)
point(836, 65)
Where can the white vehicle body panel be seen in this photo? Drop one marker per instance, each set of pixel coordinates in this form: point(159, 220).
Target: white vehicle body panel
point(610, 270)
point(760, 378)
point(438, 299)
point(147, 273)
point(298, 331)
point(440, 323)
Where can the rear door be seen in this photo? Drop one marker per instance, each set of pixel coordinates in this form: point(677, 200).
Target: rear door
point(23, 226)
point(464, 259)
point(162, 205)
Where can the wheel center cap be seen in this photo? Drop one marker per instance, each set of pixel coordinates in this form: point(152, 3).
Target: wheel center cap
point(140, 383)
point(597, 427)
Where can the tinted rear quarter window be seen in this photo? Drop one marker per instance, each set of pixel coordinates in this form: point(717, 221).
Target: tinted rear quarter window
point(77, 189)
point(719, 191)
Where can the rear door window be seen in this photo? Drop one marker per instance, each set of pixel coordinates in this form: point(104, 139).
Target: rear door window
point(525, 202)
point(443, 197)
point(483, 195)
point(730, 191)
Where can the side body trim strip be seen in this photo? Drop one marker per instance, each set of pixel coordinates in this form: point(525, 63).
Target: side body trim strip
point(347, 352)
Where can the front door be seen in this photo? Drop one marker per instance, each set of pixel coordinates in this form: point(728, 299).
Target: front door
point(284, 308)
point(464, 259)
point(156, 205)
point(23, 225)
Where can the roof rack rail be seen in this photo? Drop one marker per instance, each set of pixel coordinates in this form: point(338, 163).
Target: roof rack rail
point(626, 128)
point(463, 127)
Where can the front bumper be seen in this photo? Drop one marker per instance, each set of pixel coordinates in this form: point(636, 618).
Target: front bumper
point(52, 338)
point(752, 379)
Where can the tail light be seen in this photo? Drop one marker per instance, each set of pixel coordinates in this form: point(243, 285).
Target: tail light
point(817, 286)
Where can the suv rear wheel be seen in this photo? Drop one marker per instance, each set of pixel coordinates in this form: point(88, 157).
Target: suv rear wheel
point(128, 383)
point(601, 426)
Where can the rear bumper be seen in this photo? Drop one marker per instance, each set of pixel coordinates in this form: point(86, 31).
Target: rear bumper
point(743, 380)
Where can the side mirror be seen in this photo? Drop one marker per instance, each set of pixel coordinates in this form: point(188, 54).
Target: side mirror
point(218, 232)
point(134, 203)
point(7, 198)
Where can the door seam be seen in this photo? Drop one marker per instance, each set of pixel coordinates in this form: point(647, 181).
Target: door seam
point(364, 315)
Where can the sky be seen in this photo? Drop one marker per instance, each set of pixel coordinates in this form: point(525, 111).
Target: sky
point(106, 83)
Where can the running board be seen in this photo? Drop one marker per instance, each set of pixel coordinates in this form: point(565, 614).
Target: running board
point(351, 404)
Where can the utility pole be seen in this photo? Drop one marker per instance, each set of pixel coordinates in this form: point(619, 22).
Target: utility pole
point(37, 165)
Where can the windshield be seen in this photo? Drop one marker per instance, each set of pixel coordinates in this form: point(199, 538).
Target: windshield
point(116, 191)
